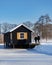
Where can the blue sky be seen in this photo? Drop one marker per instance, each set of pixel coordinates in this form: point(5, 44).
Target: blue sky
point(19, 11)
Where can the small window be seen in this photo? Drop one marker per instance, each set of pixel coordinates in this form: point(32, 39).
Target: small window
point(21, 35)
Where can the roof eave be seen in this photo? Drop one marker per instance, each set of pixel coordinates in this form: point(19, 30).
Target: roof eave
point(21, 25)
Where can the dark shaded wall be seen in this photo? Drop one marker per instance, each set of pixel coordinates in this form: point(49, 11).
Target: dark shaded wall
point(21, 29)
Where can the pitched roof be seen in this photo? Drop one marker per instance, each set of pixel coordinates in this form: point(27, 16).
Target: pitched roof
point(19, 26)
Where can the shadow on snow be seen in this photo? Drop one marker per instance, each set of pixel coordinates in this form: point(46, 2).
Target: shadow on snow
point(42, 49)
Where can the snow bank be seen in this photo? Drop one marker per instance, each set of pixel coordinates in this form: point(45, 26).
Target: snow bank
point(44, 49)
point(46, 40)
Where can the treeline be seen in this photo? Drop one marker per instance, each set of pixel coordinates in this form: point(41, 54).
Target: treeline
point(43, 26)
point(4, 27)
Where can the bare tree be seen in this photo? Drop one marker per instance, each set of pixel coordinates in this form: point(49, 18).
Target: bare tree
point(48, 20)
point(6, 27)
point(38, 26)
point(28, 23)
point(11, 26)
point(42, 25)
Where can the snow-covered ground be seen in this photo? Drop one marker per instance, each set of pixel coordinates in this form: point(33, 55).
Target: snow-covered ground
point(44, 41)
point(40, 55)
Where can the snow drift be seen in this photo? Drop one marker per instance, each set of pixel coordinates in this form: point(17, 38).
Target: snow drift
point(44, 49)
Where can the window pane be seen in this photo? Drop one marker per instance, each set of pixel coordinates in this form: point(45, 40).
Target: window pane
point(22, 35)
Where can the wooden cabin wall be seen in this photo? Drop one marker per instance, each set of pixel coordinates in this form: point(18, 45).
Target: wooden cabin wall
point(7, 38)
point(21, 29)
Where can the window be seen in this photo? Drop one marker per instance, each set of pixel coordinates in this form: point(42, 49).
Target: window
point(21, 35)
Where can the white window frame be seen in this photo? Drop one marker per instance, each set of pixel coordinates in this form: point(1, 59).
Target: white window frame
point(20, 35)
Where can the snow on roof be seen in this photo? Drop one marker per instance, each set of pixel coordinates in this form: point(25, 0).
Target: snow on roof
point(19, 26)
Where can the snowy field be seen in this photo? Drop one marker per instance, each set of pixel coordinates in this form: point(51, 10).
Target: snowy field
point(40, 55)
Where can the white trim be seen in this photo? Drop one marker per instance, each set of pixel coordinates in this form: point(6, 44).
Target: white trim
point(11, 36)
point(20, 35)
point(19, 26)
